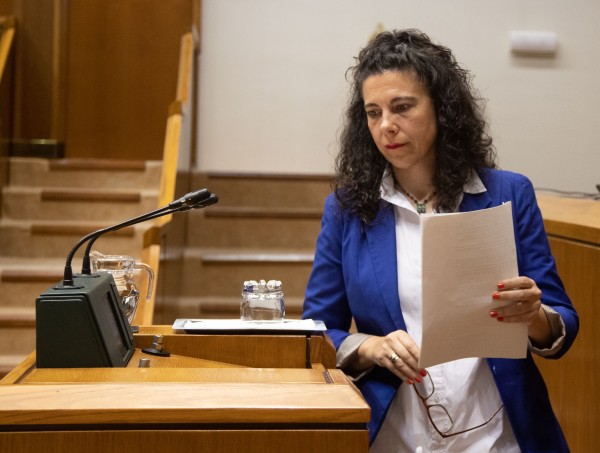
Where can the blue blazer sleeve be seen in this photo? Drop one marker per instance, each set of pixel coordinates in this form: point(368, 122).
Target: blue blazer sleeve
point(325, 297)
point(534, 256)
point(355, 274)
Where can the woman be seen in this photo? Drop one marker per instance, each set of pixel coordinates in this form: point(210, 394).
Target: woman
point(415, 142)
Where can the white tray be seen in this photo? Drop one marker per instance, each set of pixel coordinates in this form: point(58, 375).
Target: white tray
point(287, 325)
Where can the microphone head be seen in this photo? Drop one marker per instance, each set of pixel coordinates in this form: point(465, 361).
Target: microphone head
point(197, 196)
point(191, 198)
point(212, 199)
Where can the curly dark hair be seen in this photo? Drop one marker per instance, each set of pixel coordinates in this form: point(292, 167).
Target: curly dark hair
point(462, 143)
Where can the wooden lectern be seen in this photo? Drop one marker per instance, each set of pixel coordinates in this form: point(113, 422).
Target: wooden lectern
point(573, 227)
point(214, 393)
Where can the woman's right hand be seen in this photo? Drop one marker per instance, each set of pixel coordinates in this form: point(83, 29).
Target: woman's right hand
point(396, 351)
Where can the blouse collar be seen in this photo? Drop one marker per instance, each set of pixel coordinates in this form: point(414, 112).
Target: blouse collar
point(390, 194)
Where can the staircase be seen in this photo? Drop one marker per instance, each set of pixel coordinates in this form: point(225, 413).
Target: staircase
point(47, 207)
point(264, 227)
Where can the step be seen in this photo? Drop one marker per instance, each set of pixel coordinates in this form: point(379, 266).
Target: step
point(11, 317)
point(207, 307)
point(57, 239)
point(221, 272)
point(9, 361)
point(36, 203)
point(21, 285)
point(22, 280)
point(17, 340)
point(84, 173)
point(274, 228)
point(267, 190)
point(23, 294)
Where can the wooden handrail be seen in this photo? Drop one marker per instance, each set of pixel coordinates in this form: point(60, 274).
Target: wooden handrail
point(7, 35)
point(185, 72)
point(145, 312)
point(175, 136)
point(168, 175)
point(152, 236)
point(175, 151)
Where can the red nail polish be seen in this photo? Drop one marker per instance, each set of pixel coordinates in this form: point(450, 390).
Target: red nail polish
point(423, 373)
point(493, 314)
point(500, 285)
point(409, 381)
point(418, 379)
point(496, 296)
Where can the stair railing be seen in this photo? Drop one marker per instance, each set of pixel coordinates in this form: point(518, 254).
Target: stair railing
point(177, 151)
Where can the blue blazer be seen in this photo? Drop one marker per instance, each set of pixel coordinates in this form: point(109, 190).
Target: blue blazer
point(355, 276)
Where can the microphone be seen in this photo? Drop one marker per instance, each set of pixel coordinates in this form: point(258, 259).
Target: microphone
point(194, 198)
point(191, 200)
point(79, 321)
point(185, 203)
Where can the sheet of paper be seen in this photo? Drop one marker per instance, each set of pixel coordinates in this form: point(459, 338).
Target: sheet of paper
point(465, 255)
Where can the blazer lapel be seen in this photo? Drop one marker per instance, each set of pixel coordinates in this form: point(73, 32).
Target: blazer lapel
point(475, 201)
point(381, 239)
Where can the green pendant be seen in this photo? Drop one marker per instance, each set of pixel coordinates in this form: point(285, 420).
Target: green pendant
point(421, 208)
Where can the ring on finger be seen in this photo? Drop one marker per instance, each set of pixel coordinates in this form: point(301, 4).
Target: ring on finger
point(394, 357)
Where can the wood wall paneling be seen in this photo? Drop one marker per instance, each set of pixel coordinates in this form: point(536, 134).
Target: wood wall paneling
point(573, 227)
point(6, 8)
point(122, 59)
point(183, 441)
point(33, 70)
point(7, 32)
point(572, 380)
point(98, 75)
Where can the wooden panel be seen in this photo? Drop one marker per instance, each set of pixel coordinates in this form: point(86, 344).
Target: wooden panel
point(572, 380)
point(241, 402)
point(257, 441)
point(33, 69)
point(573, 227)
point(122, 75)
point(6, 7)
point(261, 351)
point(7, 40)
point(571, 218)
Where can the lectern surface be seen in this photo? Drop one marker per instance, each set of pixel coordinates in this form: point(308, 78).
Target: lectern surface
point(190, 401)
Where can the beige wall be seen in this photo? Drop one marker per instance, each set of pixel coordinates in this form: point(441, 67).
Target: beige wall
point(272, 85)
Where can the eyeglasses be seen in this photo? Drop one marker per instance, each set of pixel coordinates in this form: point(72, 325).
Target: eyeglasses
point(438, 415)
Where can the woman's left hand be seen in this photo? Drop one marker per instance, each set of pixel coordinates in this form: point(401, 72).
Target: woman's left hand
point(524, 305)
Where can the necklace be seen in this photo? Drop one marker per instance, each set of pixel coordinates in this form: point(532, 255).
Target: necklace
point(420, 205)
